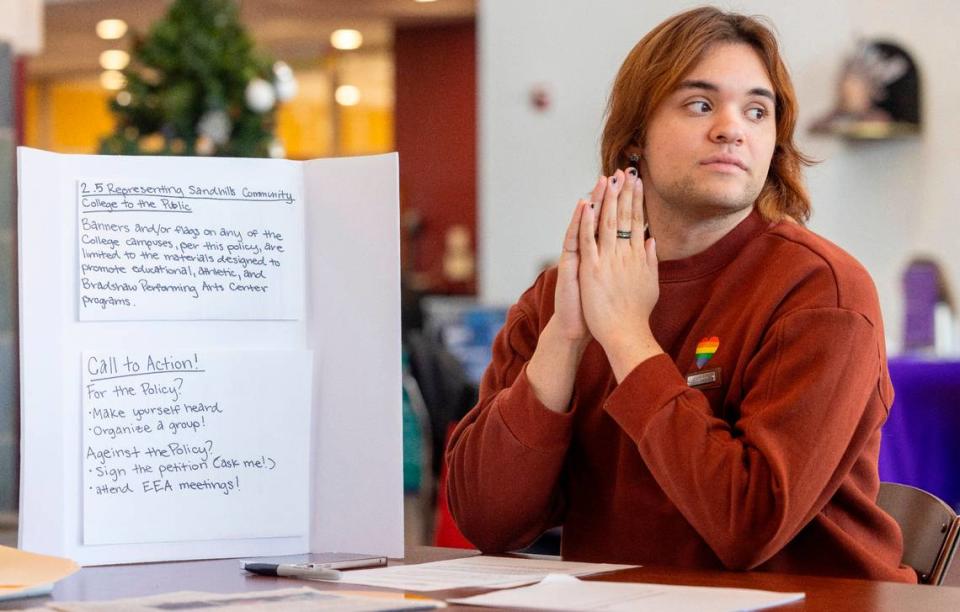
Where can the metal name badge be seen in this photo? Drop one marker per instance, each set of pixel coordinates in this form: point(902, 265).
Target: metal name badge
point(706, 379)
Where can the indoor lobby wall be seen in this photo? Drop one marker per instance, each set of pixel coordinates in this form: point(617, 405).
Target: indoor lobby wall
point(71, 115)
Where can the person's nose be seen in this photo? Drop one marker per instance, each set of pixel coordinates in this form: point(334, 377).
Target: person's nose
point(728, 127)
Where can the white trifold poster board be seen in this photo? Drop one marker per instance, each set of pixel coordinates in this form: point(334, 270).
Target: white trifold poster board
point(209, 357)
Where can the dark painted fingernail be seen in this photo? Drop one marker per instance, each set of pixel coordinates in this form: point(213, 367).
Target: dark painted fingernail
point(613, 181)
point(592, 205)
point(632, 171)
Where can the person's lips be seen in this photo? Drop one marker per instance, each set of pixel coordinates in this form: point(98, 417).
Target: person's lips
point(724, 161)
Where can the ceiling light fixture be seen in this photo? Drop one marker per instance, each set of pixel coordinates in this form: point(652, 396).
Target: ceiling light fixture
point(346, 40)
point(114, 59)
point(111, 29)
point(112, 79)
point(347, 95)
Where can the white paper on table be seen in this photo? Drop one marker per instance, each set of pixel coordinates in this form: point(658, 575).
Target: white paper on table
point(225, 244)
point(477, 571)
point(301, 599)
point(563, 592)
point(195, 445)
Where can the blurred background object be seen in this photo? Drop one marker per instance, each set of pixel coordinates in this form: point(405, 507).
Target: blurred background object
point(929, 314)
point(9, 371)
point(878, 94)
point(195, 85)
point(920, 434)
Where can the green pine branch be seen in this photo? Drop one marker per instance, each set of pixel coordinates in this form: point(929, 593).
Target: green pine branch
point(198, 58)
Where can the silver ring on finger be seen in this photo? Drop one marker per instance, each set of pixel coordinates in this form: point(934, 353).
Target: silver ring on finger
point(625, 234)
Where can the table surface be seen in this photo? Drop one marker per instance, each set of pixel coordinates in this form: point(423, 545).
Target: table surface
point(225, 576)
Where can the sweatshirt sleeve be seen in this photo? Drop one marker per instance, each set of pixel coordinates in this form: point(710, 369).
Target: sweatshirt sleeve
point(505, 457)
point(749, 488)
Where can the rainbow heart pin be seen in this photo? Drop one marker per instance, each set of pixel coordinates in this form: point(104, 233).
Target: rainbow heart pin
point(705, 350)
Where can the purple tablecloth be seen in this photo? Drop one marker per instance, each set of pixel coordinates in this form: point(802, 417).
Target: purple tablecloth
point(921, 438)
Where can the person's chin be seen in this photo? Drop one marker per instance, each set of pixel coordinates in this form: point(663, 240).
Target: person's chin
point(728, 194)
point(706, 197)
point(724, 202)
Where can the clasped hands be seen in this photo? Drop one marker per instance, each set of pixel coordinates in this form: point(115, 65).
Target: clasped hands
point(607, 283)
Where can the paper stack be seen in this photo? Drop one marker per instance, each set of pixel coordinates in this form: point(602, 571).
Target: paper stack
point(25, 574)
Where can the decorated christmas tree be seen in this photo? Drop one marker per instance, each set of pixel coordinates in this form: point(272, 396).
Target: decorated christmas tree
point(196, 86)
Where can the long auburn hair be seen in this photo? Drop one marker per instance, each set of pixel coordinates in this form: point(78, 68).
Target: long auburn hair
point(656, 66)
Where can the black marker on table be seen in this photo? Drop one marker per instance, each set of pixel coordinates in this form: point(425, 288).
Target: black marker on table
point(328, 570)
point(311, 571)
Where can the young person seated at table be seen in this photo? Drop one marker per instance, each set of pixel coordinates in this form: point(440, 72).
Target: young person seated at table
point(701, 380)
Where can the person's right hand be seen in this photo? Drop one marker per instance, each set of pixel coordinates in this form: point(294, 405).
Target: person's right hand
point(568, 311)
point(552, 369)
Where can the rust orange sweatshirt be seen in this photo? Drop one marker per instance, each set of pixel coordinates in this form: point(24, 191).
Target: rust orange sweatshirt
point(767, 460)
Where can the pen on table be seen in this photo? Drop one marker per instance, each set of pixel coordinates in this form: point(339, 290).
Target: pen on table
point(312, 571)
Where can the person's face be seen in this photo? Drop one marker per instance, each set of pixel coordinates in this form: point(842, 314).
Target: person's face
point(709, 143)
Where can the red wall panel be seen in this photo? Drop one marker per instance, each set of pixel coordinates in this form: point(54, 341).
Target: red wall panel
point(436, 135)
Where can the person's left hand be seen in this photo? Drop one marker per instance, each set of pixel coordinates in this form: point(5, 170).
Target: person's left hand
point(619, 283)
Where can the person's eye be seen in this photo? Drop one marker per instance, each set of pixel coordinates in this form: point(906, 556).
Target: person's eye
point(699, 107)
point(756, 113)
